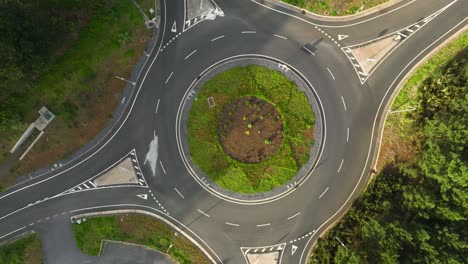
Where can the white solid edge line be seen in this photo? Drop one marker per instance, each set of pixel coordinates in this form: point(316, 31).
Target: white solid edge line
point(279, 36)
point(14, 231)
point(329, 26)
point(113, 135)
point(231, 224)
point(292, 216)
point(220, 37)
point(328, 69)
point(372, 136)
point(190, 54)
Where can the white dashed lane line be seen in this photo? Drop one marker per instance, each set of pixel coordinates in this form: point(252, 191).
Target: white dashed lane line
point(220, 37)
point(341, 165)
point(162, 167)
point(249, 32)
point(188, 56)
point(344, 104)
point(292, 216)
point(347, 134)
point(279, 36)
point(328, 69)
point(262, 225)
point(324, 192)
point(179, 193)
point(203, 213)
point(169, 77)
point(231, 224)
point(157, 107)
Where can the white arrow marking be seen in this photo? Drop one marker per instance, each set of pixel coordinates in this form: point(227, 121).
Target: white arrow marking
point(293, 248)
point(143, 196)
point(174, 28)
point(341, 37)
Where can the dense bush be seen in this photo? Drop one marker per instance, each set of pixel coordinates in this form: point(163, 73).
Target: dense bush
point(416, 212)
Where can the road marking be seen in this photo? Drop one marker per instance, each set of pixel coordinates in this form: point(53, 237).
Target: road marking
point(94, 185)
point(347, 134)
point(279, 36)
point(308, 50)
point(179, 193)
point(231, 224)
point(341, 37)
point(87, 187)
point(292, 216)
point(331, 74)
point(344, 104)
point(170, 75)
point(340, 165)
point(157, 106)
point(261, 225)
point(162, 167)
point(249, 32)
point(324, 192)
point(203, 213)
point(190, 54)
point(143, 196)
point(21, 228)
point(293, 249)
point(174, 27)
point(220, 37)
point(403, 35)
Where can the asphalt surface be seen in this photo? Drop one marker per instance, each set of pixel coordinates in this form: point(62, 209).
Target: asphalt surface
point(227, 229)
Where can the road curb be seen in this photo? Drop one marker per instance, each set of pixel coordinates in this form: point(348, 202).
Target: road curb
point(106, 241)
point(137, 211)
point(17, 237)
point(324, 18)
point(381, 128)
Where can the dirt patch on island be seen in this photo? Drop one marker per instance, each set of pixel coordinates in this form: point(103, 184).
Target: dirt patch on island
point(250, 129)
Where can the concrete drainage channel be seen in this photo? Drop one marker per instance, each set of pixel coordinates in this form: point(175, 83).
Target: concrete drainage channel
point(319, 129)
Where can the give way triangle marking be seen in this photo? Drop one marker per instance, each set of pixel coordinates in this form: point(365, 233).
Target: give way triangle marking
point(174, 28)
point(341, 37)
point(293, 248)
point(143, 196)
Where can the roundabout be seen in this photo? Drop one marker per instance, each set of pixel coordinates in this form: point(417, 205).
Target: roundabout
point(226, 210)
point(248, 132)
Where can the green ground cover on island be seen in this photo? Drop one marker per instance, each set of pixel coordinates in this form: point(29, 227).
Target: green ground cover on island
point(204, 136)
point(415, 209)
point(27, 250)
point(138, 229)
point(335, 7)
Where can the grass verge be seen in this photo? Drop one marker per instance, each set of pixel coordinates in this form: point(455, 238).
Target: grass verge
point(335, 7)
point(137, 229)
point(26, 250)
point(400, 140)
point(272, 86)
